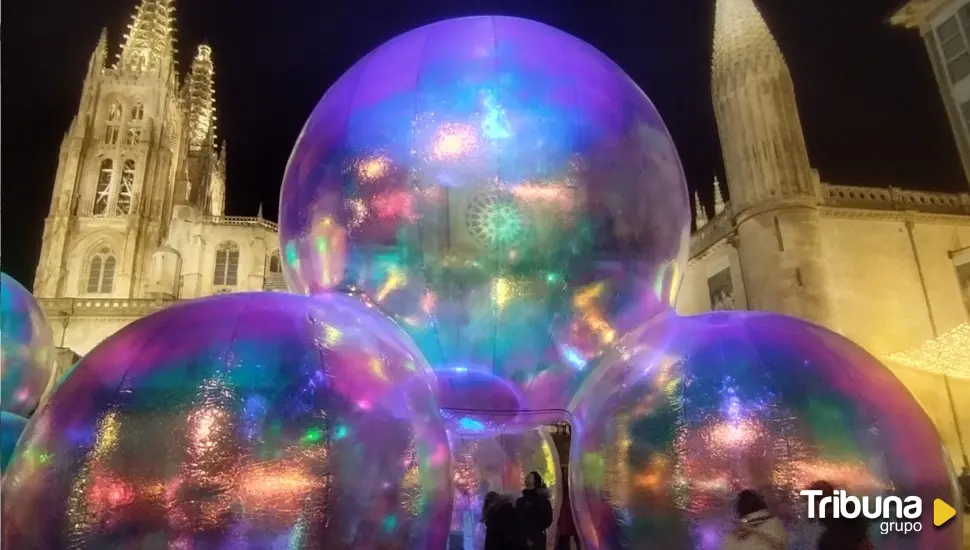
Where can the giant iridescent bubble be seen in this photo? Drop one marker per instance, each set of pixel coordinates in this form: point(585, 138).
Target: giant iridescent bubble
point(26, 349)
point(11, 426)
point(240, 421)
point(688, 411)
point(501, 188)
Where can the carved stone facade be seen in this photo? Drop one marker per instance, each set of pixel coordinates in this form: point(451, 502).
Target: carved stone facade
point(881, 266)
point(136, 218)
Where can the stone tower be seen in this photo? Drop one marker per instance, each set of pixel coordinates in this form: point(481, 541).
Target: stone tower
point(138, 152)
point(774, 193)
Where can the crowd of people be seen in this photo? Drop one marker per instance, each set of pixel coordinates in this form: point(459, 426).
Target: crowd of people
point(521, 524)
point(518, 525)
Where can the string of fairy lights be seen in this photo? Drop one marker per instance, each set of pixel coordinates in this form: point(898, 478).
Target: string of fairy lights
point(948, 354)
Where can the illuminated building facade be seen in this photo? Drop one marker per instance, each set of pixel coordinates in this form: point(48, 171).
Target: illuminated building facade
point(137, 212)
point(888, 268)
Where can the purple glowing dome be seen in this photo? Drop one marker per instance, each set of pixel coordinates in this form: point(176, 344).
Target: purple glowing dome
point(501, 188)
point(241, 421)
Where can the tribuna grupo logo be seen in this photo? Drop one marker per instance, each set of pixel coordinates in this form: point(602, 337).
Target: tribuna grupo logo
point(897, 515)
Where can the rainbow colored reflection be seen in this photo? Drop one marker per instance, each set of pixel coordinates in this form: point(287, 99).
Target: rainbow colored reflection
point(242, 421)
point(501, 188)
point(11, 426)
point(689, 411)
point(26, 349)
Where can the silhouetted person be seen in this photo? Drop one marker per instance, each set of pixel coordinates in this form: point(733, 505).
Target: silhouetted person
point(566, 528)
point(757, 529)
point(839, 533)
point(535, 512)
point(501, 523)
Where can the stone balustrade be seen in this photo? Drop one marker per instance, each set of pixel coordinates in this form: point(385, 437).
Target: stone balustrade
point(244, 221)
point(882, 198)
point(100, 307)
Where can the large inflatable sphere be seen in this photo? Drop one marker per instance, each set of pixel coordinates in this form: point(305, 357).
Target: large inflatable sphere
point(690, 411)
point(26, 349)
point(11, 426)
point(260, 420)
point(498, 186)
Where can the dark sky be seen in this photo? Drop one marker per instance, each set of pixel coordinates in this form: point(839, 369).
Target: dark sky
point(870, 109)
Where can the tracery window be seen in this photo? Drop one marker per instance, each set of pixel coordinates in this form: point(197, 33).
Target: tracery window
point(126, 189)
point(101, 272)
point(111, 135)
point(132, 137)
point(103, 190)
point(114, 112)
point(138, 112)
point(112, 130)
point(227, 264)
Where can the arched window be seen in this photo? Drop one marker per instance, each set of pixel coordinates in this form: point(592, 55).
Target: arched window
point(227, 263)
point(137, 112)
point(103, 189)
point(114, 112)
point(274, 263)
point(132, 137)
point(113, 128)
point(126, 189)
point(101, 272)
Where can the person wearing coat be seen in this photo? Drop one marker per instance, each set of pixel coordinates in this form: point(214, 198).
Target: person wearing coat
point(534, 511)
point(501, 523)
point(757, 529)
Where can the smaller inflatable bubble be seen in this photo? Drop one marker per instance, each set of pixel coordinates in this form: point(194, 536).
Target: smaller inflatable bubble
point(26, 349)
point(258, 420)
point(689, 411)
point(11, 426)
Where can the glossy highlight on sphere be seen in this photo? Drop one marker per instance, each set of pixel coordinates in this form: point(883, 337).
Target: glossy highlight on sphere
point(688, 411)
point(11, 426)
point(256, 420)
point(498, 186)
point(26, 349)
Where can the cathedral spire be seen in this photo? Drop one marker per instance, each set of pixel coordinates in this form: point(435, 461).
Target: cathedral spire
point(99, 55)
point(150, 42)
point(762, 145)
point(200, 97)
point(718, 197)
point(700, 215)
point(741, 36)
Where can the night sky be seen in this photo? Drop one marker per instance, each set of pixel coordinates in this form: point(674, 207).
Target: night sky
point(869, 106)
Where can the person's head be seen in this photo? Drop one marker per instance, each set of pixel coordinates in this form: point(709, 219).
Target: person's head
point(749, 502)
point(534, 481)
point(490, 497)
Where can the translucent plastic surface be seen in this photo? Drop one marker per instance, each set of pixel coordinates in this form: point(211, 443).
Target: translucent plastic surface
point(242, 421)
point(501, 188)
point(26, 349)
point(11, 426)
point(689, 411)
